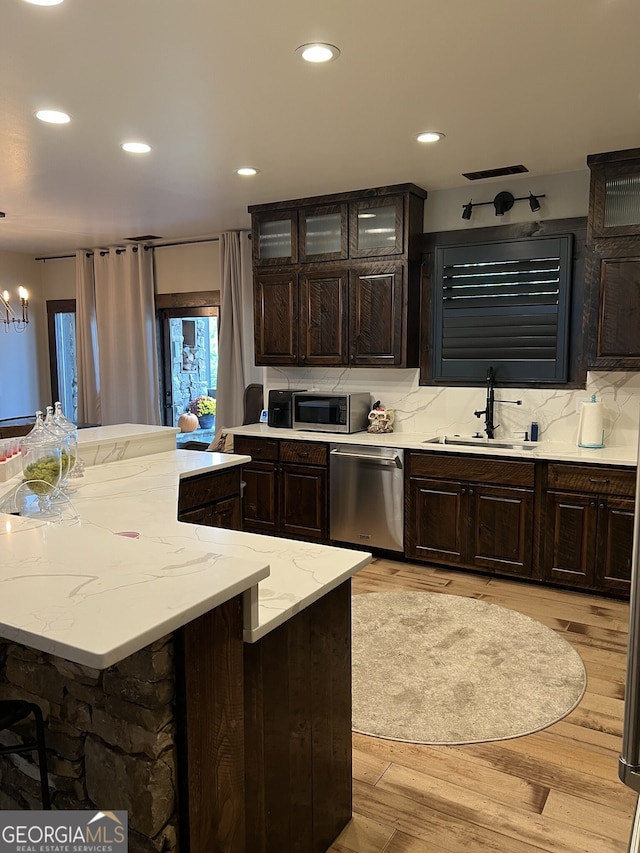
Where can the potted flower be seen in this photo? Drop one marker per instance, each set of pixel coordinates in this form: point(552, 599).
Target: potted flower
point(204, 408)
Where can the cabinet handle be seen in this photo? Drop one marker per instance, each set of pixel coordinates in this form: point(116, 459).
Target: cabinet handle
point(601, 505)
point(470, 491)
point(463, 491)
point(599, 480)
point(592, 503)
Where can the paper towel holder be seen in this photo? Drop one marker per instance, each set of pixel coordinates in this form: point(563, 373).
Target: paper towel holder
point(591, 424)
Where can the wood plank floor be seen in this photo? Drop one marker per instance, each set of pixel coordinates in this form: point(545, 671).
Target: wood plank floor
point(556, 791)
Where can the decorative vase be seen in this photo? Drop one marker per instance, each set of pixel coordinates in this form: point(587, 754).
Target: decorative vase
point(206, 421)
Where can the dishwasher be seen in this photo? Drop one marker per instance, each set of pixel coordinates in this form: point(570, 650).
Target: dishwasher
point(367, 496)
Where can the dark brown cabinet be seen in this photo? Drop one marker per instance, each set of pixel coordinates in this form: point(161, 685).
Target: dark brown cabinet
point(484, 521)
point(275, 306)
point(211, 499)
point(613, 269)
point(324, 315)
point(347, 292)
point(285, 489)
point(589, 527)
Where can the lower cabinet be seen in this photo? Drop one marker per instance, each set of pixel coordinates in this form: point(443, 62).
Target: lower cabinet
point(212, 499)
point(471, 512)
point(285, 490)
point(588, 534)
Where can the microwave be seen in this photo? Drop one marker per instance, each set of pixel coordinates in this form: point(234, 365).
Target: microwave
point(280, 407)
point(328, 412)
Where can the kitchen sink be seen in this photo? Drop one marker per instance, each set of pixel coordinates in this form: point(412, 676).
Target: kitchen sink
point(472, 441)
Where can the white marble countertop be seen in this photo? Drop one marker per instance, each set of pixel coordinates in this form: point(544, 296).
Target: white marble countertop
point(542, 450)
point(78, 590)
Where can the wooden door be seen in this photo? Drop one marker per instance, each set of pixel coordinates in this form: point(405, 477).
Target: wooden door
point(324, 313)
point(501, 529)
point(260, 497)
point(276, 317)
point(376, 296)
point(618, 343)
point(303, 501)
point(615, 544)
point(436, 521)
point(570, 539)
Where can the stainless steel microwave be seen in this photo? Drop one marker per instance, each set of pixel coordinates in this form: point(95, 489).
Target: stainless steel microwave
point(328, 412)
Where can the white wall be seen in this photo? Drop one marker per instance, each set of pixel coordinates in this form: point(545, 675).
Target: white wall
point(566, 195)
point(21, 365)
point(181, 269)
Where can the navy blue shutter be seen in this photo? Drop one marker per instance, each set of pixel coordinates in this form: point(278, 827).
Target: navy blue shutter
point(504, 305)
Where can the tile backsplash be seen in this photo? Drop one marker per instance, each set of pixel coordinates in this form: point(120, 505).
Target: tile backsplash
point(435, 410)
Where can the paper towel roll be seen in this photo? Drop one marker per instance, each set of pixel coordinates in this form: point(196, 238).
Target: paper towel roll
point(591, 427)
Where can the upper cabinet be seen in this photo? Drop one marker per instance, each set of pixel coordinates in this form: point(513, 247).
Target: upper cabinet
point(614, 198)
point(275, 238)
point(336, 278)
point(323, 233)
point(613, 271)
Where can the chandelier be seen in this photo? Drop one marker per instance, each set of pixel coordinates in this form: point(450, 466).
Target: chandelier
point(11, 317)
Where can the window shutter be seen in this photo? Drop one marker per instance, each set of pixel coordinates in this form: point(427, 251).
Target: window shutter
point(503, 305)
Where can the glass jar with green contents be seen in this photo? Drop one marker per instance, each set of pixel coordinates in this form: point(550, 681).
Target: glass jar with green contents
point(41, 467)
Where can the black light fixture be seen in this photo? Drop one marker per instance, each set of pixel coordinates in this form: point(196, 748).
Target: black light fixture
point(503, 202)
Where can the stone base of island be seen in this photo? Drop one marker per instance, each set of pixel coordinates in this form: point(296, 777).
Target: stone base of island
point(198, 678)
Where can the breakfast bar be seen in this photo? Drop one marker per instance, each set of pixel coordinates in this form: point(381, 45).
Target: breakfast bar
point(197, 677)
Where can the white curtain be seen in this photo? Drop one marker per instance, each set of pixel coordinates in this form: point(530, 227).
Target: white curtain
point(87, 341)
point(127, 363)
point(236, 368)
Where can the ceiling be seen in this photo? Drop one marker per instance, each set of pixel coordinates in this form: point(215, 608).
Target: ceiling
point(214, 86)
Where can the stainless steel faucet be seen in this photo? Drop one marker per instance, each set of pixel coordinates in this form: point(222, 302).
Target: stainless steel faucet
point(489, 426)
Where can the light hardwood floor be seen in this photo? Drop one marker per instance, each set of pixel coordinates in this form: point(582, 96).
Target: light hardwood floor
point(556, 790)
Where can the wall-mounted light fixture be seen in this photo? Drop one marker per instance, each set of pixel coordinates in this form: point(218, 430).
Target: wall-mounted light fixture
point(11, 318)
point(503, 202)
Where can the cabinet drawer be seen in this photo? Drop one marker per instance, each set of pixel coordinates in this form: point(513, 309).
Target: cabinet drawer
point(305, 452)
point(225, 513)
point(257, 448)
point(592, 478)
point(207, 488)
point(480, 470)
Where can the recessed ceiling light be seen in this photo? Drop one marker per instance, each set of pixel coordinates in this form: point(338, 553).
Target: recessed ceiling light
point(44, 2)
point(246, 170)
point(430, 136)
point(53, 116)
point(318, 52)
point(136, 147)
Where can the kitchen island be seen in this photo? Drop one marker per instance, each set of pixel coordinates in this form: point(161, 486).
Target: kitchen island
point(199, 678)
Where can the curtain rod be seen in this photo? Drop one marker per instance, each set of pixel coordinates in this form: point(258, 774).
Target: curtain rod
point(146, 248)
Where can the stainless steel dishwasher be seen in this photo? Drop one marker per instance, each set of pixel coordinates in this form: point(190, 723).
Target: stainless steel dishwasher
point(367, 496)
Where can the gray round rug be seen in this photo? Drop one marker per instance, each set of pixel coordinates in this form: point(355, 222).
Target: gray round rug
point(444, 669)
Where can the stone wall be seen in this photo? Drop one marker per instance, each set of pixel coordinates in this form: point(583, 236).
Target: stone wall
point(110, 738)
point(190, 367)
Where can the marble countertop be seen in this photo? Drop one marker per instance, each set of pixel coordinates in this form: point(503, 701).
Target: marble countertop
point(542, 450)
point(120, 571)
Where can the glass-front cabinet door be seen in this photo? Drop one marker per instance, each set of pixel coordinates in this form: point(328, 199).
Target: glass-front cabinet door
point(376, 227)
point(323, 233)
point(615, 194)
point(275, 238)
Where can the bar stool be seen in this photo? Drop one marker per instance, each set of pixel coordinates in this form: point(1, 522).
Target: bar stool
point(13, 711)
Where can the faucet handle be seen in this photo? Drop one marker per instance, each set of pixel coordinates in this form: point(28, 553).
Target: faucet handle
point(524, 433)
